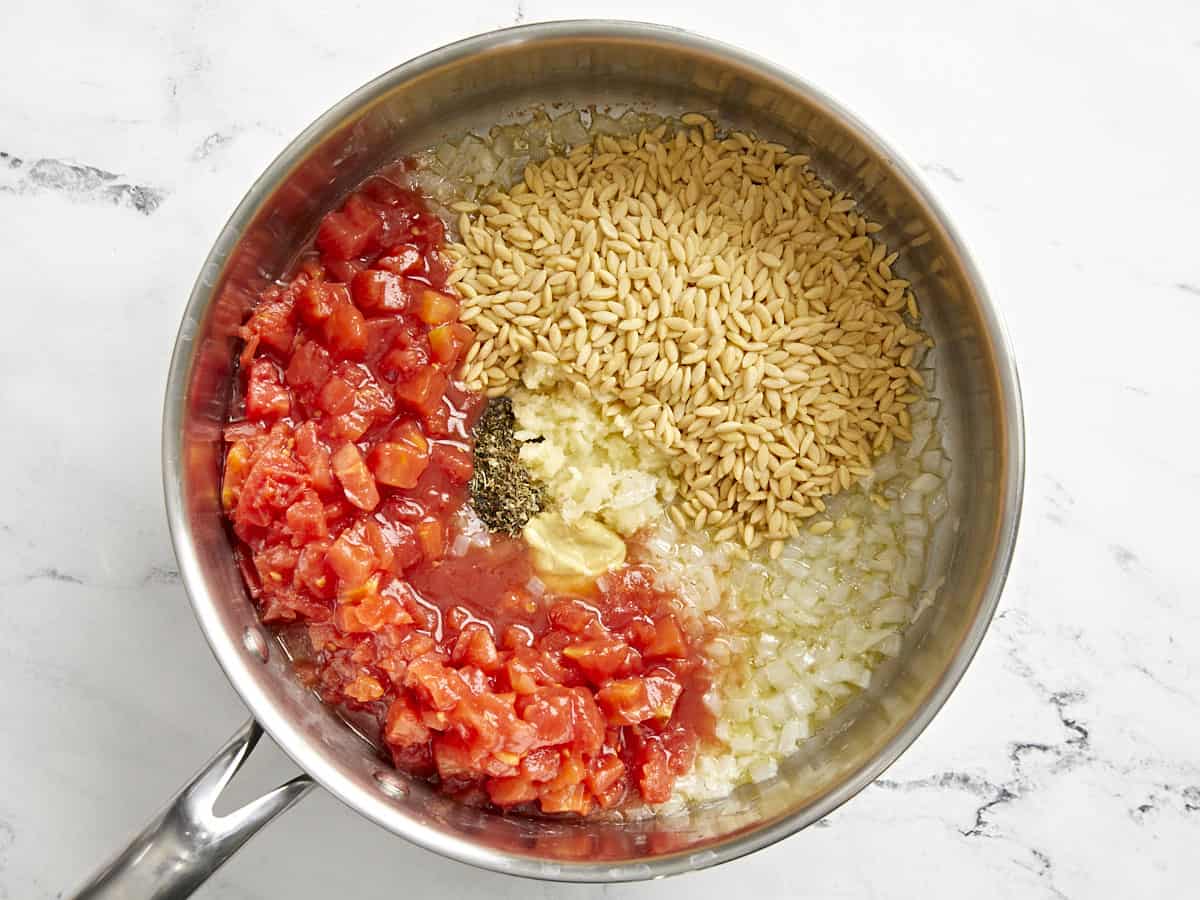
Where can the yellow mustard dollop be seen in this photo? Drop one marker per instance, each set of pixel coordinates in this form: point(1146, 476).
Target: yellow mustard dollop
point(582, 547)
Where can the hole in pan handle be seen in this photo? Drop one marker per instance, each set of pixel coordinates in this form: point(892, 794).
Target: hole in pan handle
point(187, 842)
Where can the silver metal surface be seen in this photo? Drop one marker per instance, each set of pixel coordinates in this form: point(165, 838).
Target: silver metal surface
point(187, 841)
point(473, 84)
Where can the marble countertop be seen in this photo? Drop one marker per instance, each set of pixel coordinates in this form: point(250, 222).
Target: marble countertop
point(1062, 138)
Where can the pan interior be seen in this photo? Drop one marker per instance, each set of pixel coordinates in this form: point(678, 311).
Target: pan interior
point(499, 78)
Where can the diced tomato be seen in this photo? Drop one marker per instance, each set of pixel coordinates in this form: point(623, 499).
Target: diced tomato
point(364, 689)
point(274, 482)
point(401, 259)
point(249, 350)
point(511, 791)
point(382, 332)
point(373, 401)
point(317, 299)
point(430, 538)
point(573, 799)
point(402, 543)
point(470, 405)
point(356, 591)
point(416, 645)
point(309, 268)
point(476, 647)
point(315, 456)
point(369, 216)
point(655, 780)
point(434, 719)
point(435, 308)
point(447, 343)
point(376, 541)
point(287, 605)
point(336, 397)
point(273, 323)
point(603, 658)
point(455, 460)
point(306, 518)
point(662, 692)
point(603, 772)
point(396, 465)
point(441, 687)
point(403, 726)
point(551, 711)
point(342, 270)
point(339, 237)
point(266, 395)
point(377, 292)
point(416, 759)
point(400, 460)
point(477, 680)
point(371, 613)
point(451, 757)
point(428, 231)
point(457, 618)
point(309, 367)
point(384, 191)
point(350, 558)
point(356, 479)
point(398, 222)
point(576, 617)
point(441, 420)
point(403, 362)
point(492, 731)
point(681, 743)
point(237, 466)
point(588, 721)
point(438, 268)
point(571, 771)
point(611, 797)
point(574, 701)
point(668, 641)
point(541, 764)
point(408, 433)
point(627, 701)
point(275, 565)
point(244, 431)
point(349, 426)
point(529, 670)
point(346, 331)
point(423, 390)
point(312, 572)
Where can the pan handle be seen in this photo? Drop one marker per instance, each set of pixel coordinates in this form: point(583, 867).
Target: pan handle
point(187, 842)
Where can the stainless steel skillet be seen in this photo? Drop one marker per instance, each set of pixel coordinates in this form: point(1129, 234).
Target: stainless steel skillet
point(471, 85)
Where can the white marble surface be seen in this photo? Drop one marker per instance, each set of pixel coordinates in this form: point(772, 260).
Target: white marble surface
point(1062, 137)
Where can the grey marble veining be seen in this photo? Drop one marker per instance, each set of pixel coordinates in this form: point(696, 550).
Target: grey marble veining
point(1062, 139)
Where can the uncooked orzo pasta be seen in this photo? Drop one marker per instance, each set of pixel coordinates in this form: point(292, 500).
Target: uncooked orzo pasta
point(713, 289)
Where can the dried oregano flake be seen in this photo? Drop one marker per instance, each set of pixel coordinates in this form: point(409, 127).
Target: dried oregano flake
point(504, 494)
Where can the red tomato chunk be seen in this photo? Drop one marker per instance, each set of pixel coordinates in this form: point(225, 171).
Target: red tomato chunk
point(343, 483)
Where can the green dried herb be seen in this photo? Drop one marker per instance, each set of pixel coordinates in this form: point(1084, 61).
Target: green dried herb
point(504, 494)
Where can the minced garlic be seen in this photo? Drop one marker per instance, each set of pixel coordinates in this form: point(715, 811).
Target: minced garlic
point(590, 463)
